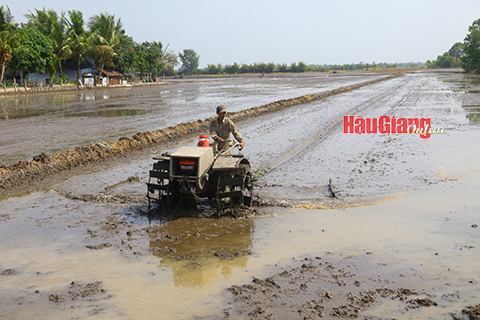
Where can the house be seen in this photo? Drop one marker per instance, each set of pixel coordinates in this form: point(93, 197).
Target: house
point(88, 79)
point(111, 77)
point(108, 77)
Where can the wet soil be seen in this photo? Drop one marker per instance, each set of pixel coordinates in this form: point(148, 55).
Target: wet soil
point(55, 122)
point(321, 290)
point(88, 235)
point(44, 165)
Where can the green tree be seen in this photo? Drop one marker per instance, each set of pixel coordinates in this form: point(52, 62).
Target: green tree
point(282, 67)
point(36, 51)
point(456, 51)
point(104, 40)
point(169, 71)
point(445, 61)
point(190, 60)
point(470, 60)
point(53, 26)
point(78, 38)
point(126, 54)
point(8, 44)
point(9, 39)
point(259, 67)
point(159, 57)
point(302, 67)
point(245, 68)
point(6, 19)
point(293, 67)
point(214, 69)
point(231, 69)
point(270, 68)
point(147, 57)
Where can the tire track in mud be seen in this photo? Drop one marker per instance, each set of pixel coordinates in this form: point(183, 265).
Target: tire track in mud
point(43, 165)
point(370, 169)
point(330, 127)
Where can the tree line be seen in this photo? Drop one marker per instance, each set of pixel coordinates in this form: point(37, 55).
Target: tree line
point(464, 54)
point(300, 67)
point(50, 42)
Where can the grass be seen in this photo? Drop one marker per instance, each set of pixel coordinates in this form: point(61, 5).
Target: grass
point(257, 175)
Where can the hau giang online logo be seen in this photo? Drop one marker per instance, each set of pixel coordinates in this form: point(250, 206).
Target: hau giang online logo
point(388, 125)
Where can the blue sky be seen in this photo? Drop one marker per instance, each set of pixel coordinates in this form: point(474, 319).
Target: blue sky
point(315, 32)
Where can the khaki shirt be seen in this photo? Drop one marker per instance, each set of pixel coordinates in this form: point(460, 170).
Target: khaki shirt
point(222, 130)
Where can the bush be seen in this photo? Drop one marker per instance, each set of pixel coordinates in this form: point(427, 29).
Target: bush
point(63, 79)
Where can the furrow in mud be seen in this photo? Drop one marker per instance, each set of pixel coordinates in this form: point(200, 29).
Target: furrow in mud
point(364, 169)
point(43, 165)
point(324, 130)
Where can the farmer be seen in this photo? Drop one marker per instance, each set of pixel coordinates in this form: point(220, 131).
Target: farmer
point(221, 127)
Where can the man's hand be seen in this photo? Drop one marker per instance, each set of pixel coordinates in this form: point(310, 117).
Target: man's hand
point(219, 139)
point(241, 146)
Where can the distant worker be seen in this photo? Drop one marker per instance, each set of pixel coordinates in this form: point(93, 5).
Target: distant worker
point(221, 127)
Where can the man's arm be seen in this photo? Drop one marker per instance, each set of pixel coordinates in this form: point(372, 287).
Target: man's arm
point(213, 131)
point(237, 135)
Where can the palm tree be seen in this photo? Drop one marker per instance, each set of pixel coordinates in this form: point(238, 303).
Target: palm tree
point(8, 43)
point(104, 39)
point(53, 26)
point(78, 39)
point(9, 39)
point(6, 19)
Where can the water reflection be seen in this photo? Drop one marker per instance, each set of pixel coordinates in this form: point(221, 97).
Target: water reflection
point(53, 104)
point(473, 113)
point(468, 88)
point(39, 100)
point(199, 250)
point(105, 111)
point(461, 83)
point(110, 113)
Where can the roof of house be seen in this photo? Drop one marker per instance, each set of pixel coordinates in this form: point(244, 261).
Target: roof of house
point(112, 73)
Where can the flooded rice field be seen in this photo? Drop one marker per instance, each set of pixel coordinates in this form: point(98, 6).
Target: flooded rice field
point(57, 121)
point(398, 240)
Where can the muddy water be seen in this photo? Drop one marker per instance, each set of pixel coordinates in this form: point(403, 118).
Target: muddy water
point(424, 240)
point(55, 122)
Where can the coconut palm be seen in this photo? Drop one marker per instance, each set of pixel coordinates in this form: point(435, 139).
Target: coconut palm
point(78, 39)
point(8, 43)
point(9, 39)
point(104, 39)
point(6, 19)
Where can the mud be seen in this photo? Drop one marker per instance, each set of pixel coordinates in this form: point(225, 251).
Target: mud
point(56, 122)
point(399, 239)
point(42, 165)
point(318, 290)
point(473, 312)
point(76, 291)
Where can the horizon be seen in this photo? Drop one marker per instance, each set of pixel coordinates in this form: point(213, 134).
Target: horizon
point(313, 32)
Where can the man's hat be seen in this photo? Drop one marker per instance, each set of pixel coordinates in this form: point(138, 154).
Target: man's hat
point(221, 109)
